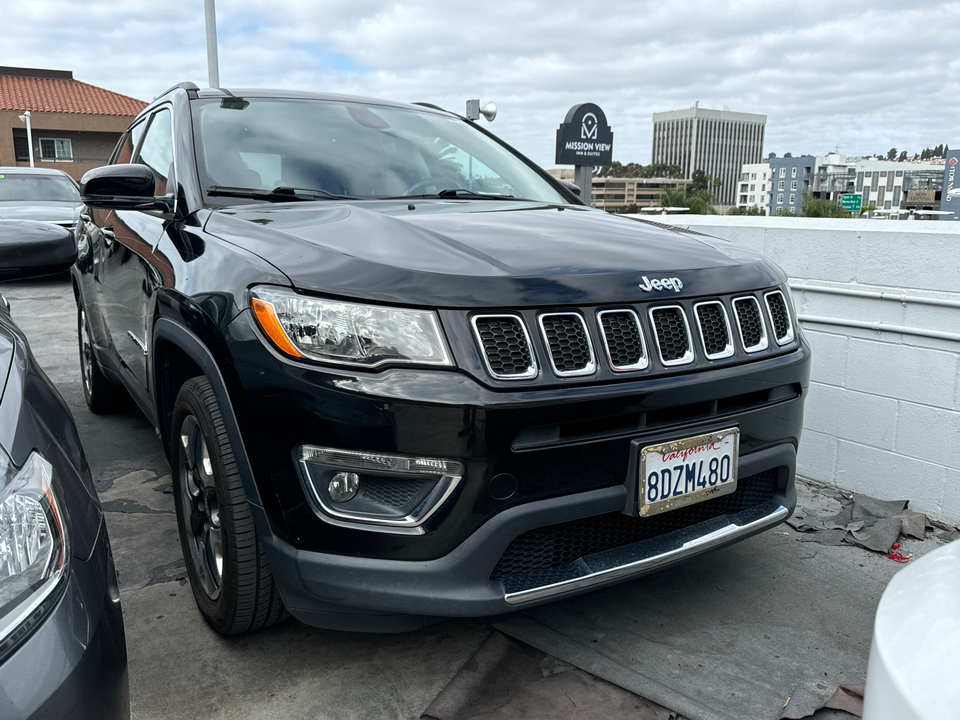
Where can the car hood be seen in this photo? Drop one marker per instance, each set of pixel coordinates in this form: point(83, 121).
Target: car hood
point(484, 253)
point(57, 212)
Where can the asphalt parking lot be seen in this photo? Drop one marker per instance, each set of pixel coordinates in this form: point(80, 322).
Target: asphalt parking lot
point(730, 635)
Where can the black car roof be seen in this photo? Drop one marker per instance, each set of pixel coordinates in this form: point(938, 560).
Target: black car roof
point(198, 92)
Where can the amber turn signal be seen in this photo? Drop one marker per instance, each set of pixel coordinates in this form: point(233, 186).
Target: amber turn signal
point(270, 324)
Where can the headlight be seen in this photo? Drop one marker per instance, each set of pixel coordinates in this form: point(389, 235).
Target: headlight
point(33, 547)
point(342, 332)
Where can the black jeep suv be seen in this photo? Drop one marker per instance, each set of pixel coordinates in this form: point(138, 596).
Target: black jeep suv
point(401, 373)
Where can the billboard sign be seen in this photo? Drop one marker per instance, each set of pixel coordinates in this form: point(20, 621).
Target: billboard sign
point(584, 138)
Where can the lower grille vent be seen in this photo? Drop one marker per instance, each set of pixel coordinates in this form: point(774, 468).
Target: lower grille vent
point(555, 545)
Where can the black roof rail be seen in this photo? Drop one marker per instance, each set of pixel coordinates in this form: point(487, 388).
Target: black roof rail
point(431, 106)
point(185, 85)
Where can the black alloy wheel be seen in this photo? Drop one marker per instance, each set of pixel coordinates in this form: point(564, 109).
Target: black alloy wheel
point(231, 581)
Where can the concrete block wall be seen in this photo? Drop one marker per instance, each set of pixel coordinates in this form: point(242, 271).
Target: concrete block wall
point(883, 412)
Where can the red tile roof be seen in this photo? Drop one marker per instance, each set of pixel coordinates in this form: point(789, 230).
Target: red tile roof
point(60, 95)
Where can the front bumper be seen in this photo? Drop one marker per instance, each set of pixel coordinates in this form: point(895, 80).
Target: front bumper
point(367, 593)
point(569, 450)
point(75, 664)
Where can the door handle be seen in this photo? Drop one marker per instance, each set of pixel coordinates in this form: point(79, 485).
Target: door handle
point(107, 233)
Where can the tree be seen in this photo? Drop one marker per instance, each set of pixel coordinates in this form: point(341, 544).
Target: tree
point(634, 170)
point(699, 202)
point(674, 197)
point(903, 156)
point(771, 156)
point(701, 180)
point(661, 170)
point(892, 154)
point(786, 155)
point(752, 210)
point(817, 207)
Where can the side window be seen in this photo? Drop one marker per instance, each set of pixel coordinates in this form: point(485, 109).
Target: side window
point(128, 143)
point(157, 150)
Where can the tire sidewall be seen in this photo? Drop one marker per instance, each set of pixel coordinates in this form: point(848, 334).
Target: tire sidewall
point(218, 612)
point(83, 325)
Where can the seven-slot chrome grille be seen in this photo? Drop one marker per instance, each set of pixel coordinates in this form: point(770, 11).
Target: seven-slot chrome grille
point(630, 338)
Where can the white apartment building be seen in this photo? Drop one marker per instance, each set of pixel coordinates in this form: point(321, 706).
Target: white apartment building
point(885, 184)
point(718, 142)
point(755, 187)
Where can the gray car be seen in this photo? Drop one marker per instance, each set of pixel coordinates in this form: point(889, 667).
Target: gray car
point(62, 649)
point(41, 194)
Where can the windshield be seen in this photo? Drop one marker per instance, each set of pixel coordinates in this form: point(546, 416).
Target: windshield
point(355, 150)
point(33, 188)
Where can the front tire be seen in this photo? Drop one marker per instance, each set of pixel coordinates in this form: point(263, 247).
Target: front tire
point(228, 570)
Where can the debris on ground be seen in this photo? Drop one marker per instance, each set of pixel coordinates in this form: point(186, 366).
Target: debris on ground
point(832, 517)
point(898, 556)
point(807, 698)
point(848, 698)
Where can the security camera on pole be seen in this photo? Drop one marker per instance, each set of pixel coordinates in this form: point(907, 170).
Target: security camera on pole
point(584, 140)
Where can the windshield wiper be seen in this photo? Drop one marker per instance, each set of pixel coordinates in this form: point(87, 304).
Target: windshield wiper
point(461, 193)
point(279, 194)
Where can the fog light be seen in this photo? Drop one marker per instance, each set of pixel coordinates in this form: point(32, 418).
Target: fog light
point(343, 486)
point(400, 492)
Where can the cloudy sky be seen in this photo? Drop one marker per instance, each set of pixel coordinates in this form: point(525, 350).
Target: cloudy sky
point(861, 77)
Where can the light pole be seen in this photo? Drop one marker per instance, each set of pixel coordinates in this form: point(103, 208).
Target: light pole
point(26, 119)
point(213, 65)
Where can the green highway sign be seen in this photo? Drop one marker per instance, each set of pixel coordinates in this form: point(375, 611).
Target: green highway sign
point(851, 202)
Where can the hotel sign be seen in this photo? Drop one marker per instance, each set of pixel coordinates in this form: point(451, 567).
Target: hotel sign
point(584, 138)
point(951, 180)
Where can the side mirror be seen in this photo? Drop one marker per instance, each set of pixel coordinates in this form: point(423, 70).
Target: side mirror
point(33, 249)
point(575, 189)
point(120, 187)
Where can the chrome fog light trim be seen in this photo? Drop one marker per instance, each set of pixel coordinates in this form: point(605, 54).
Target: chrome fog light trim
point(448, 474)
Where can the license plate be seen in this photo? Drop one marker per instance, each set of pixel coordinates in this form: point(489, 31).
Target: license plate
point(688, 471)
